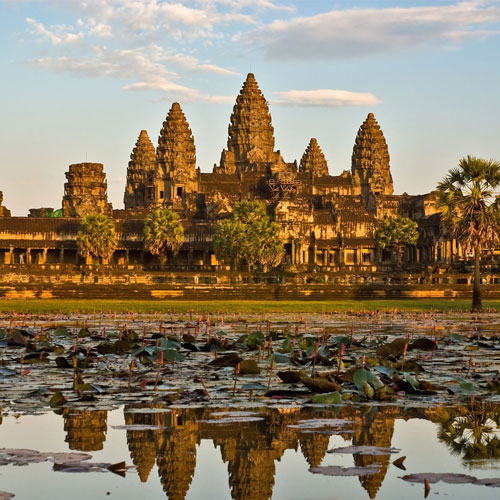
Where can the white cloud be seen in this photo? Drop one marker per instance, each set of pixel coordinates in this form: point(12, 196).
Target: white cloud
point(141, 68)
point(57, 34)
point(325, 98)
point(340, 34)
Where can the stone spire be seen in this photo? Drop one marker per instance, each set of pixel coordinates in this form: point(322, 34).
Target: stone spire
point(370, 161)
point(86, 191)
point(176, 152)
point(251, 134)
point(142, 163)
point(4, 212)
point(313, 160)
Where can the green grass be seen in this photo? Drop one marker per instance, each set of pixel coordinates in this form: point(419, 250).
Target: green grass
point(38, 306)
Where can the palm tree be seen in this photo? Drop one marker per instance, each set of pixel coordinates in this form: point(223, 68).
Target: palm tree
point(472, 432)
point(96, 237)
point(398, 233)
point(469, 203)
point(163, 231)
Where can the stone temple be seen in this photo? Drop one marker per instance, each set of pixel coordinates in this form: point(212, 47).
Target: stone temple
point(328, 219)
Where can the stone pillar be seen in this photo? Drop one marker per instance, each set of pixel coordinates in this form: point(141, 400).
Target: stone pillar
point(127, 256)
point(293, 251)
point(325, 257)
point(43, 260)
point(28, 256)
point(61, 255)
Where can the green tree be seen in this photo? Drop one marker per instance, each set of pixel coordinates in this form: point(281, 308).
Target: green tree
point(163, 231)
point(398, 233)
point(468, 198)
point(249, 235)
point(228, 241)
point(96, 237)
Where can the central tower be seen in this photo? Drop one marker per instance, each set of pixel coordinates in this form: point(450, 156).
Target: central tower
point(250, 145)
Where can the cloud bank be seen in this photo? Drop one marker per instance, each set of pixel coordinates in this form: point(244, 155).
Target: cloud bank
point(325, 98)
point(343, 34)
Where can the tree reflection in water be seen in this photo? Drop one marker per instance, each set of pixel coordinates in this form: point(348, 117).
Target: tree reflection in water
point(472, 431)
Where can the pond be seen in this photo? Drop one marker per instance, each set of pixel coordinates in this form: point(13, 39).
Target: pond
point(282, 453)
point(283, 406)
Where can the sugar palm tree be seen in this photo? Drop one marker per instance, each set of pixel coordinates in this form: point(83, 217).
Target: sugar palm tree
point(163, 231)
point(96, 237)
point(398, 233)
point(472, 432)
point(469, 202)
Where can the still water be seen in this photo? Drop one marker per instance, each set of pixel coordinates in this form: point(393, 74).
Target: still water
point(257, 454)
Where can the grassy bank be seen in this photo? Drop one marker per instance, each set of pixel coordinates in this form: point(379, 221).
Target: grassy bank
point(250, 306)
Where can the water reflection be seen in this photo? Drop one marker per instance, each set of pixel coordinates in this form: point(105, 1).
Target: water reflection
point(251, 448)
point(472, 431)
point(85, 429)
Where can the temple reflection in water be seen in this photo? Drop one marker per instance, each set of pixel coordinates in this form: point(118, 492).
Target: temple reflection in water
point(251, 448)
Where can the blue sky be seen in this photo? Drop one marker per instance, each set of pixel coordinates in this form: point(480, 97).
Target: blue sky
point(80, 79)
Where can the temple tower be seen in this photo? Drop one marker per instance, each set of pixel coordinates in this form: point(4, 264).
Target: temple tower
point(371, 173)
point(250, 145)
point(4, 212)
point(86, 191)
point(141, 165)
point(175, 159)
point(313, 160)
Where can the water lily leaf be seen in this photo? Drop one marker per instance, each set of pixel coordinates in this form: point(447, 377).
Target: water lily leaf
point(336, 470)
point(411, 379)
point(386, 370)
point(364, 450)
point(434, 477)
point(84, 332)
point(57, 399)
point(249, 367)
point(62, 331)
point(254, 386)
point(466, 386)
point(280, 358)
point(330, 398)
point(399, 463)
point(291, 376)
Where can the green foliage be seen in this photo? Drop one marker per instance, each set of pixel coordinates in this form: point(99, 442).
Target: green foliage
point(469, 202)
point(398, 233)
point(56, 213)
point(468, 198)
point(163, 231)
point(249, 235)
point(96, 237)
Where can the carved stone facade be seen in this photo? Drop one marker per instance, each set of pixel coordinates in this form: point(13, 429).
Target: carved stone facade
point(371, 173)
point(140, 167)
point(175, 173)
point(328, 221)
point(250, 146)
point(86, 191)
point(313, 160)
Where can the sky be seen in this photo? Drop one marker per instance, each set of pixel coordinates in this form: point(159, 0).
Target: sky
point(81, 79)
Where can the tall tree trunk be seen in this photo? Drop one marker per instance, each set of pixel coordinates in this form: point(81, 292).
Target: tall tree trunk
point(476, 290)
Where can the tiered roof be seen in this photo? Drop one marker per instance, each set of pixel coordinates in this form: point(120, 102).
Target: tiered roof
point(142, 163)
point(176, 152)
point(313, 160)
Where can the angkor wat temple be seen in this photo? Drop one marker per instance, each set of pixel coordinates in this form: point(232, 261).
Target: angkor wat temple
point(328, 221)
